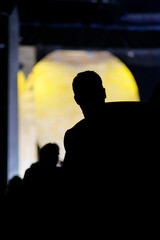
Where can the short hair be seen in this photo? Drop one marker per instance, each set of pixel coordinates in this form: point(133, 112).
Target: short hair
point(49, 151)
point(84, 80)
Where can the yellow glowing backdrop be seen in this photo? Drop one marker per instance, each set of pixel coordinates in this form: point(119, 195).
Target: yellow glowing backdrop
point(46, 104)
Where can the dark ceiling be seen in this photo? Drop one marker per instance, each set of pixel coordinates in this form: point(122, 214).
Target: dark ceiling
point(130, 29)
point(88, 23)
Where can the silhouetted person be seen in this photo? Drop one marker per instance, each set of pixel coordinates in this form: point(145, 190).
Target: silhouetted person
point(84, 143)
point(13, 186)
point(49, 155)
point(108, 154)
point(13, 194)
point(39, 179)
point(11, 205)
point(108, 158)
point(106, 136)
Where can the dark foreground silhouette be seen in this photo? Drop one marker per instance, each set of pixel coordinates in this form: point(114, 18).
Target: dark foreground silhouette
point(111, 154)
point(109, 178)
point(112, 136)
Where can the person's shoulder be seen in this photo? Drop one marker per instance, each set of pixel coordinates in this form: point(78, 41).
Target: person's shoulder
point(34, 165)
point(31, 169)
point(81, 124)
point(124, 105)
point(72, 133)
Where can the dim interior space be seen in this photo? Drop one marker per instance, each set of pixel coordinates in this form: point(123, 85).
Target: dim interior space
point(44, 45)
point(45, 99)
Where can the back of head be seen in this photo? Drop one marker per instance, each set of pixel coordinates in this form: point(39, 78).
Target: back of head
point(49, 154)
point(84, 80)
point(14, 182)
point(88, 88)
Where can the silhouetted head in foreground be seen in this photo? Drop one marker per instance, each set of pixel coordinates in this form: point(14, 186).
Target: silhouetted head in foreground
point(14, 184)
point(49, 154)
point(89, 92)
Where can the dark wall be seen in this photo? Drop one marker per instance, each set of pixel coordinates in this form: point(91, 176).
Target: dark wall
point(147, 78)
point(145, 67)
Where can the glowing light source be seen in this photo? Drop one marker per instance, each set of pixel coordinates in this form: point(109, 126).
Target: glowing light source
point(54, 110)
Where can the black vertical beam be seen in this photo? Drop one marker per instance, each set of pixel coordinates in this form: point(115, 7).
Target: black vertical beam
point(5, 21)
point(3, 100)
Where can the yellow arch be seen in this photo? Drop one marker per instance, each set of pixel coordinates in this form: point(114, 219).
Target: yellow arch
point(51, 79)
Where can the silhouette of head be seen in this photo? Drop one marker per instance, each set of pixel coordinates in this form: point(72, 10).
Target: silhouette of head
point(14, 183)
point(49, 154)
point(89, 92)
